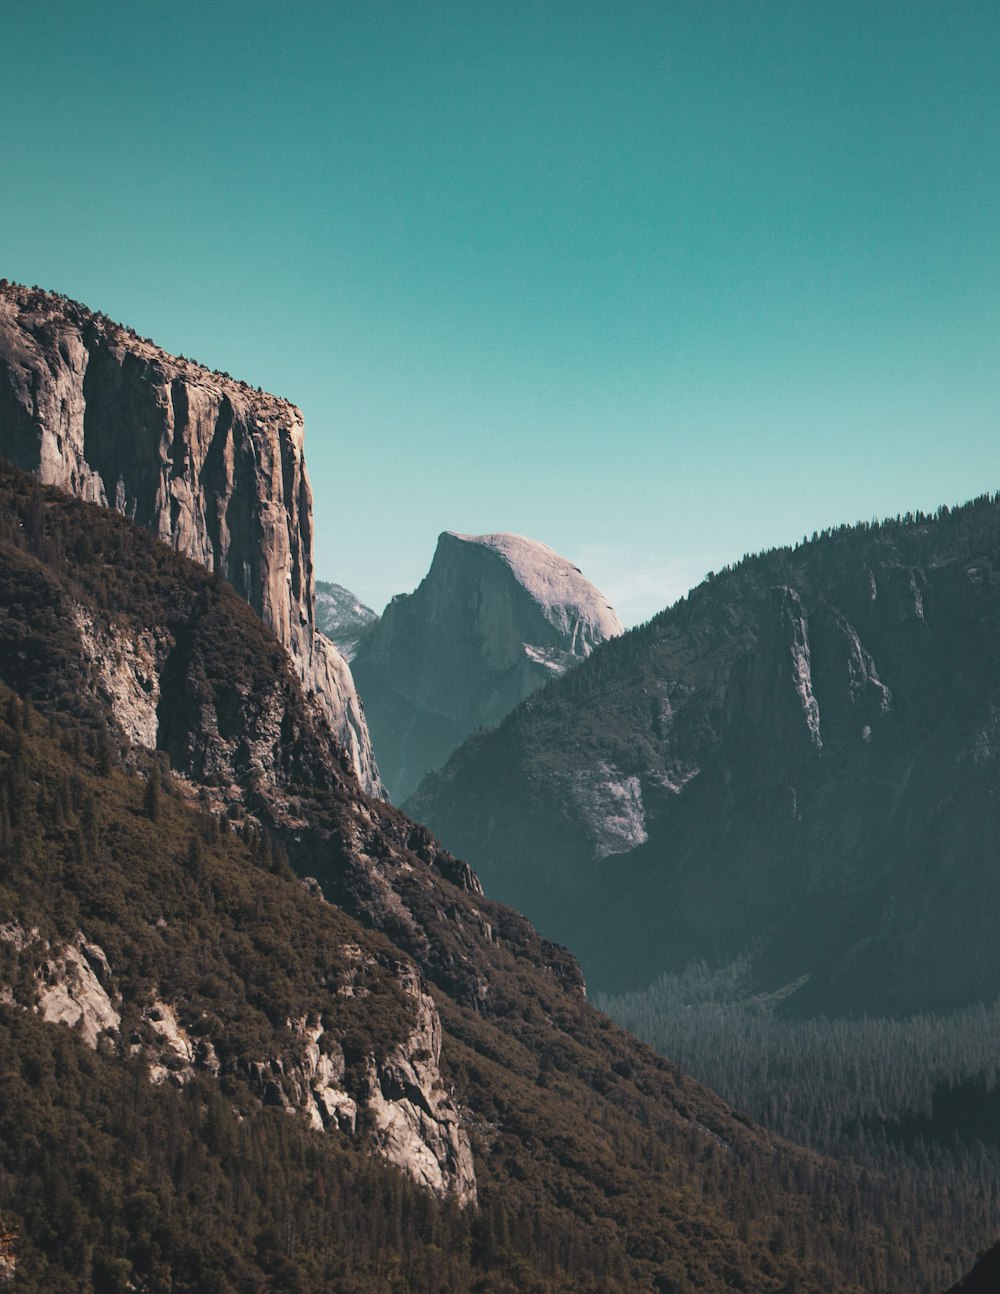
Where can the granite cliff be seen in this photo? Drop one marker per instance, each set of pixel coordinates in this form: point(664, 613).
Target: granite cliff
point(208, 464)
point(495, 617)
point(798, 761)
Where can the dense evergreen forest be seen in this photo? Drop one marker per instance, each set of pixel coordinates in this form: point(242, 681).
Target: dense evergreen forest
point(914, 1100)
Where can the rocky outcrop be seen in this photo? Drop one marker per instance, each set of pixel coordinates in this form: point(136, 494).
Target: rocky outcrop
point(71, 983)
point(417, 1123)
point(71, 991)
point(210, 465)
point(167, 1045)
point(342, 617)
point(495, 618)
point(400, 1096)
point(317, 1081)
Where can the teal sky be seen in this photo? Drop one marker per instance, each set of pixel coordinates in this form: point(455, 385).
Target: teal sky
point(656, 283)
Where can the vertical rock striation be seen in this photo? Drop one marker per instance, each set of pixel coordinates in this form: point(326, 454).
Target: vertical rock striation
point(212, 466)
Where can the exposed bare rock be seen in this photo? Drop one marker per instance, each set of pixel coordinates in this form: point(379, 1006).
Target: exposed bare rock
point(342, 617)
point(13, 933)
point(71, 984)
point(328, 679)
point(169, 1049)
point(70, 993)
point(212, 466)
point(417, 1123)
point(495, 618)
point(127, 667)
point(321, 1092)
point(414, 1121)
point(797, 627)
point(610, 804)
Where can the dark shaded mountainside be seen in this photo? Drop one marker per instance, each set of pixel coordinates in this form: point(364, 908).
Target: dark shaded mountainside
point(379, 1080)
point(984, 1277)
point(800, 762)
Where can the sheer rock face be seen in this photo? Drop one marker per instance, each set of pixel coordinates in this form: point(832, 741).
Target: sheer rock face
point(212, 466)
point(495, 618)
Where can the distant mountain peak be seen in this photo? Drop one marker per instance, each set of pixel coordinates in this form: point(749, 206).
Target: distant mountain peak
point(560, 588)
point(342, 617)
point(494, 619)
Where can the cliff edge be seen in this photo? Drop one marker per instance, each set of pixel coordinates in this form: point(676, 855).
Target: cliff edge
point(210, 465)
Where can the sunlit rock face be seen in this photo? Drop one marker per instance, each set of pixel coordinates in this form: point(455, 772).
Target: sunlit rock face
point(68, 985)
point(495, 618)
point(212, 466)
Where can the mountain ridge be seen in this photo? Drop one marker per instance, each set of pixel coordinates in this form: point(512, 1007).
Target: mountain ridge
point(342, 617)
point(698, 770)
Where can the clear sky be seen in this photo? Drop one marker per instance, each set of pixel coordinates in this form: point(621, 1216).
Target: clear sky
point(656, 283)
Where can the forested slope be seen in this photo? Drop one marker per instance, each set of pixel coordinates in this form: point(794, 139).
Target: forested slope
point(800, 760)
point(158, 900)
